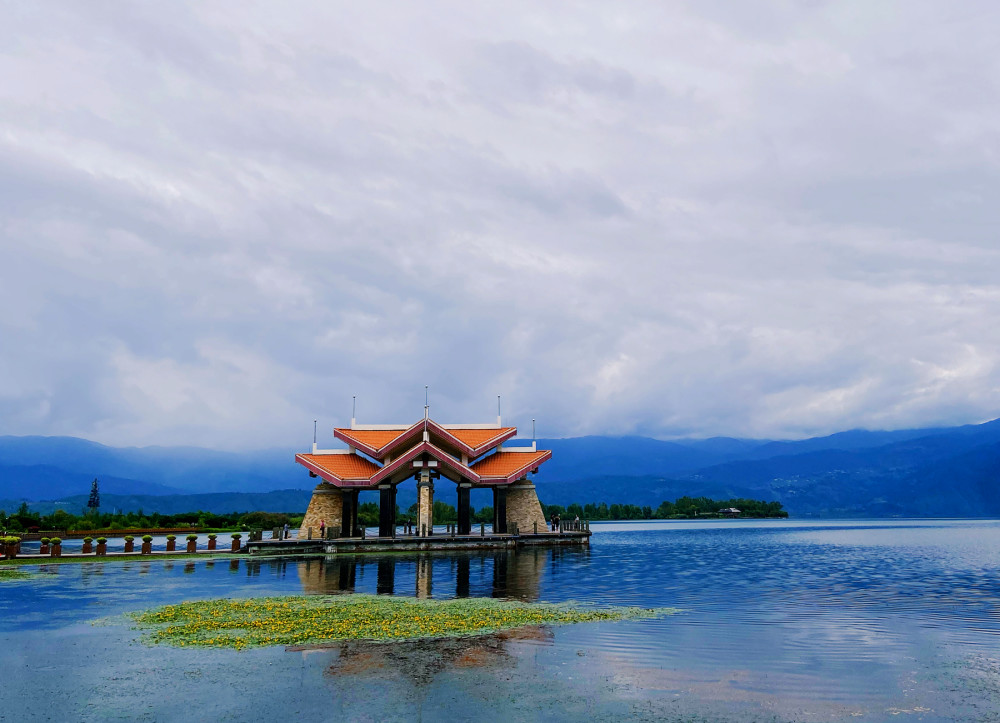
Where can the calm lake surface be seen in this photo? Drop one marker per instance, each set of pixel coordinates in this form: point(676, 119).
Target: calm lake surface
point(780, 620)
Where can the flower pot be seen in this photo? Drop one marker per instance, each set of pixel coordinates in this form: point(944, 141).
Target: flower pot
point(55, 550)
point(43, 550)
point(102, 548)
point(147, 548)
point(129, 545)
point(236, 545)
point(171, 545)
point(88, 547)
point(211, 543)
point(192, 545)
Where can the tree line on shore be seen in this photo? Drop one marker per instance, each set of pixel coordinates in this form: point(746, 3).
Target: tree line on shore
point(683, 508)
point(24, 520)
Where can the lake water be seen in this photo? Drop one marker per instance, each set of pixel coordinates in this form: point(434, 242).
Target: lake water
point(780, 620)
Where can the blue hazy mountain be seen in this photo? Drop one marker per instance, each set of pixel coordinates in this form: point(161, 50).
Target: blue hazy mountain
point(190, 469)
point(952, 471)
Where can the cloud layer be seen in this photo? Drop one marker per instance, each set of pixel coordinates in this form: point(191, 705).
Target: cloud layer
point(220, 221)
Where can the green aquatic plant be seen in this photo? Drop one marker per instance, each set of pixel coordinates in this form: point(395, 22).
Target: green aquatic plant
point(12, 573)
point(308, 620)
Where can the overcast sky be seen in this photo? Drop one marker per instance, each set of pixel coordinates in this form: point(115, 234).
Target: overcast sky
point(219, 221)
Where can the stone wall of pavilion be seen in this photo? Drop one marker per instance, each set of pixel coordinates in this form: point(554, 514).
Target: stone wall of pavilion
point(326, 505)
point(523, 508)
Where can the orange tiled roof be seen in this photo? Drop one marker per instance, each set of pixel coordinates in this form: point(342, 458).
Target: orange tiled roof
point(340, 466)
point(476, 438)
point(504, 464)
point(373, 438)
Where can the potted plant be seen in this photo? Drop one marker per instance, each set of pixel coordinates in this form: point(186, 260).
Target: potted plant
point(147, 545)
point(236, 541)
point(9, 547)
point(129, 543)
point(56, 547)
point(102, 546)
point(211, 540)
point(192, 543)
point(171, 543)
point(44, 549)
point(87, 546)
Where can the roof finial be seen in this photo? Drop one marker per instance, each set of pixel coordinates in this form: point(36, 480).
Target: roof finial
point(532, 429)
point(427, 404)
point(354, 409)
point(498, 411)
point(314, 431)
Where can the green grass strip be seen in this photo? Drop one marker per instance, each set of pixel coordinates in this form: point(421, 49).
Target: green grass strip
point(309, 620)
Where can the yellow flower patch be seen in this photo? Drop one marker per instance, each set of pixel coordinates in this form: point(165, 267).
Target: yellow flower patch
point(311, 620)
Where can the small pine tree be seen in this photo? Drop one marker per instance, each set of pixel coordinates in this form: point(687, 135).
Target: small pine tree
point(94, 502)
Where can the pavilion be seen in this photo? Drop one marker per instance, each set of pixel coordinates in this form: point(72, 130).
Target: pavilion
point(381, 457)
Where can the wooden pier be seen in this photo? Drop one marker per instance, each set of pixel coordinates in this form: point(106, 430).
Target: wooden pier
point(355, 545)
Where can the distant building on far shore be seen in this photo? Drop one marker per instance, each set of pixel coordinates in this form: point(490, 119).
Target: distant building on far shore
point(730, 512)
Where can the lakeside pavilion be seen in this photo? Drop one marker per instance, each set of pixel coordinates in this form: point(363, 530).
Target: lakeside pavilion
point(380, 457)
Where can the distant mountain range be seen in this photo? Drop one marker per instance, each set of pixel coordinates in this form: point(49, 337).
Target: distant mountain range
point(953, 471)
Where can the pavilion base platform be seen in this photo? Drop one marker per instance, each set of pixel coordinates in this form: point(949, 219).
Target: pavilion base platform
point(354, 545)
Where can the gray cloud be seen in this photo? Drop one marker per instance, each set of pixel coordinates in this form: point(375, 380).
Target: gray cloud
point(218, 222)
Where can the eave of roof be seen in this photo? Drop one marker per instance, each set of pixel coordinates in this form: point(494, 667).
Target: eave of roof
point(424, 447)
point(339, 469)
point(381, 443)
point(372, 442)
point(509, 466)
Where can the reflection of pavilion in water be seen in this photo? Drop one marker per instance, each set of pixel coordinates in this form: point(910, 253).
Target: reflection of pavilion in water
point(513, 574)
point(421, 660)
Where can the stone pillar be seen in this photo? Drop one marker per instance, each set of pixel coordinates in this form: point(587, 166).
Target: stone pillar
point(425, 503)
point(523, 508)
point(464, 518)
point(326, 505)
point(499, 510)
point(386, 510)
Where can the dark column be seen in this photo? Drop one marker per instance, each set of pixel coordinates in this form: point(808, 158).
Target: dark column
point(386, 511)
point(354, 512)
point(350, 502)
point(499, 510)
point(386, 580)
point(346, 572)
point(464, 518)
point(462, 577)
point(500, 574)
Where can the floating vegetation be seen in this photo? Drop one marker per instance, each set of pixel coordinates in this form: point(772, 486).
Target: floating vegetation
point(310, 620)
point(12, 573)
